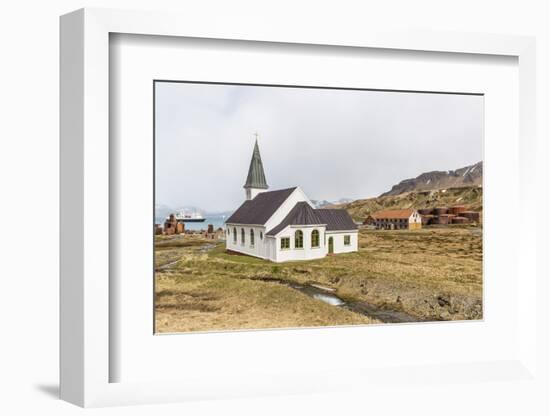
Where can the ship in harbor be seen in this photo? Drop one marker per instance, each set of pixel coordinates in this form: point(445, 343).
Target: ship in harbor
point(189, 216)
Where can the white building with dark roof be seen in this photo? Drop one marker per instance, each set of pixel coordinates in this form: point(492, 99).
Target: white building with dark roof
point(284, 225)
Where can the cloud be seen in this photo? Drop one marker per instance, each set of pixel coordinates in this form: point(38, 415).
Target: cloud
point(332, 143)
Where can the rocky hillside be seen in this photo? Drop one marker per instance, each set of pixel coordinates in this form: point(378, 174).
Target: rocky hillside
point(467, 176)
point(469, 196)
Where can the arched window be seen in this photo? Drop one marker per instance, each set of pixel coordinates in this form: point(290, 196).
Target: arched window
point(315, 238)
point(261, 235)
point(299, 239)
point(251, 237)
point(242, 236)
point(234, 235)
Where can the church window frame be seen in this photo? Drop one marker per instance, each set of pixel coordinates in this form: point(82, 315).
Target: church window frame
point(298, 239)
point(315, 239)
point(285, 243)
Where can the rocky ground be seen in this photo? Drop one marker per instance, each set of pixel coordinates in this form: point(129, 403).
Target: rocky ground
point(470, 197)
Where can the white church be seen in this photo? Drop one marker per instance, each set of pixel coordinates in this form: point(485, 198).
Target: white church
point(283, 225)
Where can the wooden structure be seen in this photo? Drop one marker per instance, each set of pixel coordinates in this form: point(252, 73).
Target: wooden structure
point(395, 219)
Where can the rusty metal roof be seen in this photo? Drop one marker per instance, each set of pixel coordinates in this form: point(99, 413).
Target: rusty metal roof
point(393, 214)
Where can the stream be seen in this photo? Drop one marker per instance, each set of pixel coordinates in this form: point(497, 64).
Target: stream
point(327, 295)
point(361, 307)
point(165, 266)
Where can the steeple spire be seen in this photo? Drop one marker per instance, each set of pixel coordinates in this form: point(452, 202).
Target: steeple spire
point(255, 180)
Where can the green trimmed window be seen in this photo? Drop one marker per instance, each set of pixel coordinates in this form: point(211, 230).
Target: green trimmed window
point(285, 243)
point(242, 236)
point(347, 240)
point(315, 238)
point(234, 235)
point(251, 237)
point(299, 239)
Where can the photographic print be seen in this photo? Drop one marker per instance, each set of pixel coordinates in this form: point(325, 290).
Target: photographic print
point(293, 207)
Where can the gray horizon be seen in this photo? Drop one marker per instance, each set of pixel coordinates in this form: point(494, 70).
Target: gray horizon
point(332, 143)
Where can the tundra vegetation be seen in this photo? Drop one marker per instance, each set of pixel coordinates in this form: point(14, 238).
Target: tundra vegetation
point(429, 274)
point(470, 197)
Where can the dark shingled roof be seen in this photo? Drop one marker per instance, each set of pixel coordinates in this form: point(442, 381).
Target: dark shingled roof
point(301, 214)
point(336, 219)
point(261, 208)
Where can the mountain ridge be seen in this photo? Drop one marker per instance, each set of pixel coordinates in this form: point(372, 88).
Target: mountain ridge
point(467, 176)
point(470, 197)
point(462, 186)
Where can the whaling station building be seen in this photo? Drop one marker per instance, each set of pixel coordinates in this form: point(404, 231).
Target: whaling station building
point(395, 219)
point(411, 219)
point(283, 225)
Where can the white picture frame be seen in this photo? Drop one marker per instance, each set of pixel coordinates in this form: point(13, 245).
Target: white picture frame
point(85, 212)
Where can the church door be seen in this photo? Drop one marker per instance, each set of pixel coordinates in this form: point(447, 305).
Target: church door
point(330, 245)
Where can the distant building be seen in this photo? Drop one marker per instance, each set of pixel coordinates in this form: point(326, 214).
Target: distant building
point(283, 225)
point(395, 219)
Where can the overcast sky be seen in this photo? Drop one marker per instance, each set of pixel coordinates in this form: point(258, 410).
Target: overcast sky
point(332, 143)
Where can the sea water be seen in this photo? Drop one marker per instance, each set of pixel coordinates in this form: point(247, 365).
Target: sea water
point(216, 220)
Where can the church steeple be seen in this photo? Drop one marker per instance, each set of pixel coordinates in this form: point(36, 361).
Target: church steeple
point(255, 181)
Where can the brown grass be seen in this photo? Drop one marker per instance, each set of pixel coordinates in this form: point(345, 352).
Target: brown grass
point(430, 273)
point(471, 197)
point(205, 302)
